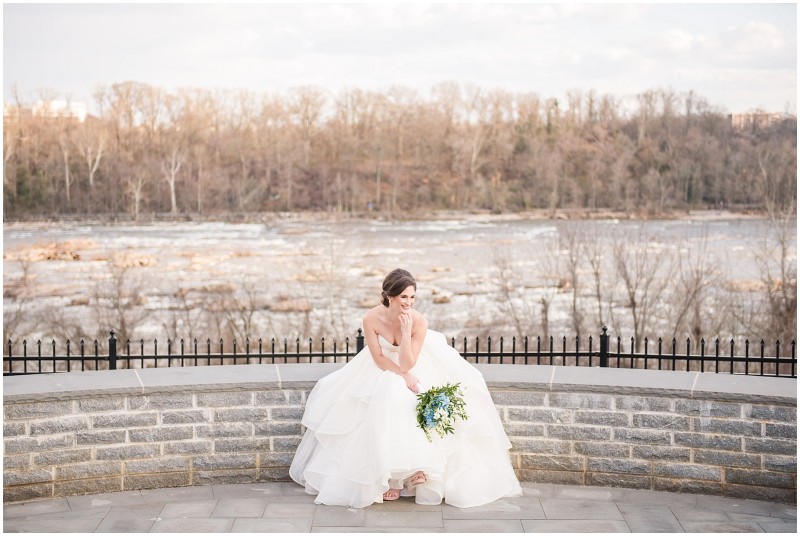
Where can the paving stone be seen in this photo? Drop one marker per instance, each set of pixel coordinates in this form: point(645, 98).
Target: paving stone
point(371, 530)
point(574, 526)
point(240, 507)
point(379, 520)
point(509, 508)
point(131, 518)
point(211, 524)
point(290, 510)
point(721, 526)
point(648, 518)
point(660, 498)
point(278, 525)
point(183, 509)
point(777, 526)
point(35, 508)
point(128, 525)
point(229, 491)
point(569, 509)
point(335, 516)
point(684, 514)
point(483, 525)
point(85, 525)
point(726, 504)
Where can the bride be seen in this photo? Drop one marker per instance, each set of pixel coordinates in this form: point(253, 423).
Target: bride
point(362, 444)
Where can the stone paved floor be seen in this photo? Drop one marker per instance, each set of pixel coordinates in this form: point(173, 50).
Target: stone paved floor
point(284, 507)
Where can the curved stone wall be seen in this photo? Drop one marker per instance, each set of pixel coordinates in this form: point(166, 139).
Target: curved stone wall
point(94, 432)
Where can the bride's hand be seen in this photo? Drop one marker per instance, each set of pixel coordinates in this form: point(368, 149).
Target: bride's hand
point(405, 324)
point(411, 382)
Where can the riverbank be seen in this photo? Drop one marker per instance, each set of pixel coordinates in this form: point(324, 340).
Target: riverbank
point(440, 215)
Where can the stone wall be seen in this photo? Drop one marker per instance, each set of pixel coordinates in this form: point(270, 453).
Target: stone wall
point(94, 432)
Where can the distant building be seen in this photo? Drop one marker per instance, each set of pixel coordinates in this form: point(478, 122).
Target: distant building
point(758, 120)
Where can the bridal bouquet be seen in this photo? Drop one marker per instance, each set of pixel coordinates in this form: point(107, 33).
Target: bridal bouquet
point(438, 408)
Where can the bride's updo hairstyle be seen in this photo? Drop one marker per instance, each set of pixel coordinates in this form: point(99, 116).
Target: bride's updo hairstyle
point(396, 282)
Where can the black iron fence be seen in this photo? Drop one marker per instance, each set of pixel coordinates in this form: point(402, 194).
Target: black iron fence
point(759, 359)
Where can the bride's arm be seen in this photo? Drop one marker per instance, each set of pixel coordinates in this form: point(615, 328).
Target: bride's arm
point(411, 340)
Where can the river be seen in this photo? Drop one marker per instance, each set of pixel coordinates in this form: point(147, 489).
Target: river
point(312, 277)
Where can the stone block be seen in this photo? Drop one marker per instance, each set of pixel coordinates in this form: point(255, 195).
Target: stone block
point(125, 420)
point(35, 410)
point(580, 400)
point(18, 461)
point(786, 464)
point(662, 421)
point(127, 452)
point(543, 462)
point(570, 478)
point(676, 485)
point(275, 459)
point(760, 493)
point(162, 433)
point(225, 399)
point(780, 414)
point(11, 429)
point(688, 471)
point(602, 418)
point(243, 444)
point(156, 481)
point(274, 474)
point(157, 465)
point(207, 463)
point(539, 446)
point(100, 404)
point(184, 417)
point(579, 433)
point(612, 465)
point(248, 415)
point(18, 445)
point(655, 452)
point(285, 444)
point(618, 480)
point(641, 403)
point(225, 430)
point(62, 457)
point(521, 429)
point(59, 426)
point(760, 478)
point(88, 470)
point(66, 488)
point(642, 436)
point(286, 414)
point(708, 408)
point(726, 426)
point(543, 415)
point(788, 431)
point(705, 441)
point(727, 459)
point(283, 397)
point(278, 429)
point(160, 402)
point(188, 447)
point(27, 492)
point(602, 449)
point(100, 437)
point(28, 476)
point(225, 476)
point(770, 446)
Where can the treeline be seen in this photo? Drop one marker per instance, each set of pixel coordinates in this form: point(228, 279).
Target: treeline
point(462, 148)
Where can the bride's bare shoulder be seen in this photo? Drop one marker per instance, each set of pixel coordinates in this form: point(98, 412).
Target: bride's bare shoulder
point(373, 315)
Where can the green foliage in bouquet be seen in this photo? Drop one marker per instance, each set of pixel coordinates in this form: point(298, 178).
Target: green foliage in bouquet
point(438, 408)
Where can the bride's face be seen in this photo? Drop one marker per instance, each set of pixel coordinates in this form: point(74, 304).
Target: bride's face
point(403, 302)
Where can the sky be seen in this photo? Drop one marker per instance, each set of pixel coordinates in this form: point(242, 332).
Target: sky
point(739, 57)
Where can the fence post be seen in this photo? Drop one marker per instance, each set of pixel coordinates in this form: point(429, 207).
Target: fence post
point(604, 347)
point(112, 352)
point(359, 340)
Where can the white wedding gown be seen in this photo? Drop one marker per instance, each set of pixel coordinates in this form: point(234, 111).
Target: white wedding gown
point(362, 437)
